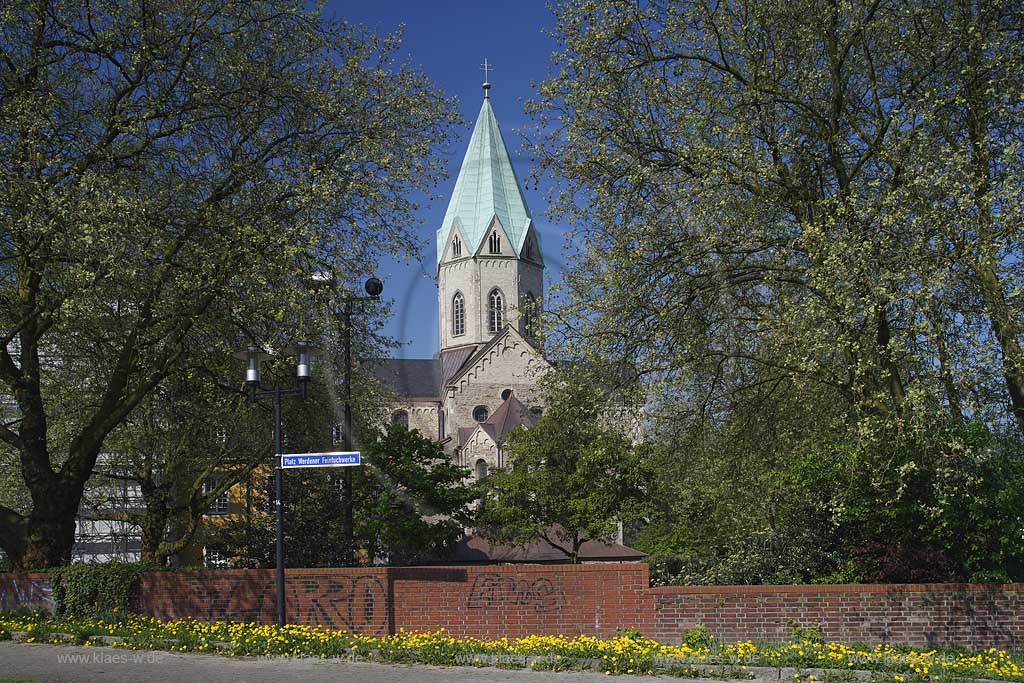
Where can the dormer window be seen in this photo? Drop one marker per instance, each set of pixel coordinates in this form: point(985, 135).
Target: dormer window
point(495, 243)
point(456, 247)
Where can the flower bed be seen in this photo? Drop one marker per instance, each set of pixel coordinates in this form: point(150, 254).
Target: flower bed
point(809, 662)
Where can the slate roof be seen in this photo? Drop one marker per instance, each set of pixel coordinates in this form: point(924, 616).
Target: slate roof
point(453, 360)
point(417, 377)
point(510, 415)
point(487, 187)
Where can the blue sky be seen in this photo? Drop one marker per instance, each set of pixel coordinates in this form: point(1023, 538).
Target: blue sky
point(449, 41)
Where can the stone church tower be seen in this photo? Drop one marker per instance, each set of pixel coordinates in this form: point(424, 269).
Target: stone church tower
point(489, 266)
point(490, 275)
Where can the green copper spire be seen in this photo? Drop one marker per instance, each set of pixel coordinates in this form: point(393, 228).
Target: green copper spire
point(487, 186)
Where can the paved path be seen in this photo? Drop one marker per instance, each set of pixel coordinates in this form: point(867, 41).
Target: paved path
point(72, 664)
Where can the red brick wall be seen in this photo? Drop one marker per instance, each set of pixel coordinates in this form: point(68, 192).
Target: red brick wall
point(479, 601)
point(594, 599)
point(926, 614)
point(25, 590)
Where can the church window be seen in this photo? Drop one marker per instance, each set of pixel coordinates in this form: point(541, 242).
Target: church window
point(458, 315)
point(496, 317)
point(529, 249)
point(481, 469)
point(400, 418)
point(529, 315)
point(480, 413)
point(456, 246)
point(495, 243)
point(505, 394)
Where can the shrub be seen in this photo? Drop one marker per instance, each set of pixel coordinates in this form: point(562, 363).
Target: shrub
point(95, 589)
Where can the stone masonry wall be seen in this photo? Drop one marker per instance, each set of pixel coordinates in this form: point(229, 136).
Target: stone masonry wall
point(593, 599)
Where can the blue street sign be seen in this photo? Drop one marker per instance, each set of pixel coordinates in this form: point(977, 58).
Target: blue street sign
point(337, 459)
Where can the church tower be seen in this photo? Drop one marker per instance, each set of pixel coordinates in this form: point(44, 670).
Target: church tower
point(490, 271)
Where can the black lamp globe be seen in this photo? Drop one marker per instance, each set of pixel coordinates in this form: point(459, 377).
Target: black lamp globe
point(374, 287)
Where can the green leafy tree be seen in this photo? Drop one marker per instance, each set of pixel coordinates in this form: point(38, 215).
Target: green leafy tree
point(411, 505)
point(931, 502)
point(412, 502)
point(800, 234)
point(188, 443)
point(726, 507)
point(826, 200)
point(169, 171)
point(573, 476)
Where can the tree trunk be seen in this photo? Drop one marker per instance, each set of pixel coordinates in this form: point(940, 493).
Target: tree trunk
point(154, 526)
point(986, 259)
point(1004, 328)
point(50, 527)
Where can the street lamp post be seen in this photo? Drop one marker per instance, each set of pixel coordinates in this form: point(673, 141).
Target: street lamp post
point(303, 352)
point(373, 287)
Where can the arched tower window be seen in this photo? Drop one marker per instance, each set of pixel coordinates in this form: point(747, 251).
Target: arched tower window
point(400, 418)
point(495, 243)
point(456, 246)
point(481, 469)
point(529, 314)
point(496, 311)
point(458, 315)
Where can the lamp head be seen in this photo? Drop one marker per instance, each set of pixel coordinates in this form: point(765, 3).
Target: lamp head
point(304, 353)
point(374, 287)
point(253, 357)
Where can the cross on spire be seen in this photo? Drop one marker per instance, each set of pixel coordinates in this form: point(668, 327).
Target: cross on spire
point(485, 67)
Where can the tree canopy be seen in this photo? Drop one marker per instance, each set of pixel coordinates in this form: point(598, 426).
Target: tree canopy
point(169, 171)
point(572, 477)
point(764, 196)
point(800, 223)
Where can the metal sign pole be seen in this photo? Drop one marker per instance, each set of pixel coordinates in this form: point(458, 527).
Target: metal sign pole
point(279, 494)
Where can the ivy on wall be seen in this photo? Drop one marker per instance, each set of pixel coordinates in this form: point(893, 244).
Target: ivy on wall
point(96, 588)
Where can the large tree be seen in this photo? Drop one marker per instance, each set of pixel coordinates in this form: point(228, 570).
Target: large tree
point(800, 222)
point(817, 192)
point(169, 170)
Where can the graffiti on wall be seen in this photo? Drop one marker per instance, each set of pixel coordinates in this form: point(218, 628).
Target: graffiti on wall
point(25, 593)
point(495, 591)
point(357, 603)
